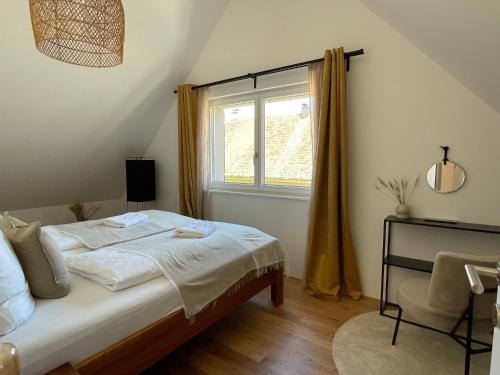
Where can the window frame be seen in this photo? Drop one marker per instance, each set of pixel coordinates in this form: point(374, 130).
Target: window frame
point(258, 98)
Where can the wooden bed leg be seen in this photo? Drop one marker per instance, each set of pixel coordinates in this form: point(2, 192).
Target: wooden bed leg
point(278, 288)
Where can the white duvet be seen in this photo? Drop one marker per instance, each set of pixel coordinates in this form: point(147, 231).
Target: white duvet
point(114, 270)
point(202, 269)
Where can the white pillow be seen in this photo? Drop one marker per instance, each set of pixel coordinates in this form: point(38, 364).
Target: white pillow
point(53, 239)
point(16, 303)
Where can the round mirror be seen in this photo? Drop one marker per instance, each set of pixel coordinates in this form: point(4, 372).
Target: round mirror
point(445, 177)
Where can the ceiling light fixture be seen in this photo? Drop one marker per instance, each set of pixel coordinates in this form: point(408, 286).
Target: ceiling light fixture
point(81, 32)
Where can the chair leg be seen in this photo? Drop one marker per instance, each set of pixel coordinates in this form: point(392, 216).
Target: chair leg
point(395, 335)
point(468, 344)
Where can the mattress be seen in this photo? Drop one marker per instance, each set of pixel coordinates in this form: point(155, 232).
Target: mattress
point(88, 320)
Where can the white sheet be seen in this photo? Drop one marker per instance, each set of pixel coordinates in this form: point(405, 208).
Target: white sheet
point(88, 320)
point(114, 270)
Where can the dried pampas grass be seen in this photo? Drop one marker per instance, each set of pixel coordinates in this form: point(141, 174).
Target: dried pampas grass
point(398, 190)
point(81, 212)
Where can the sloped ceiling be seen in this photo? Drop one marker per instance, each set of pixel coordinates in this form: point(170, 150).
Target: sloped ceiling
point(463, 36)
point(65, 130)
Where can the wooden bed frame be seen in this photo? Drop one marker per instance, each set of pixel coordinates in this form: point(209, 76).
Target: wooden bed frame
point(146, 347)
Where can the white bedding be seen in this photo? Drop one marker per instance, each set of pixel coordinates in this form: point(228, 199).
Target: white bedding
point(91, 318)
point(88, 320)
point(114, 270)
point(95, 234)
point(52, 238)
point(204, 269)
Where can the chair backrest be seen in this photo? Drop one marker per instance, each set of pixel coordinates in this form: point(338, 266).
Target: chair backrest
point(449, 287)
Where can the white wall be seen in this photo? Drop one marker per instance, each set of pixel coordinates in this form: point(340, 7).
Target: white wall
point(402, 106)
point(431, 25)
point(65, 130)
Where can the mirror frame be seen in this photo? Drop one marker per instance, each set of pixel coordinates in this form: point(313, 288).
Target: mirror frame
point(435, 167)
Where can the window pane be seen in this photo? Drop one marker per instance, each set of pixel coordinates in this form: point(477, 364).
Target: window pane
point(288, 144)
point(234, 143)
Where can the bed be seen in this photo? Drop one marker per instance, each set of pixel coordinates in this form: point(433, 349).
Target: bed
point(96, 331)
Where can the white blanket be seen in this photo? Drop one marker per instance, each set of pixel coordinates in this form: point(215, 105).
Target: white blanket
point(203, 269)
point(198, 229)
point(95, 234)
point(113, 269)
point(207, 268)
point(126, 220)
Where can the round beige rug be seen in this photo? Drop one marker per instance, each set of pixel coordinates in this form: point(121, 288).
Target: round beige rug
point(363, 346)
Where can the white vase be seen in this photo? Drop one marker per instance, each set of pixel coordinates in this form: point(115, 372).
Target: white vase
point(402, 211)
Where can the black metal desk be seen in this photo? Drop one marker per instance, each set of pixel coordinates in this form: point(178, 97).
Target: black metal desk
point(389, 260)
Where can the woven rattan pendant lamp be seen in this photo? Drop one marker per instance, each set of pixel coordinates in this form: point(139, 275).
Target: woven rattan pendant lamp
point(81, 32)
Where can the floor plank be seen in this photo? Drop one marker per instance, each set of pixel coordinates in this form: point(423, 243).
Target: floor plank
point(260, 339)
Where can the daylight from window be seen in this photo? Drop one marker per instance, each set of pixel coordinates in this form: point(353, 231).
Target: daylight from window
point(284, 136)
point(239, 144)
point(288, 146)
point(235, 164)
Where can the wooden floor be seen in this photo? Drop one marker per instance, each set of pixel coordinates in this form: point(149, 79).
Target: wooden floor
point(259, 339)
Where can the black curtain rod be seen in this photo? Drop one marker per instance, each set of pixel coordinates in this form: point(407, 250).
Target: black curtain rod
point(347, 56)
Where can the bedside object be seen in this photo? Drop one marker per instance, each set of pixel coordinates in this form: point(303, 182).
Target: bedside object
point(445, 176)
point(141, 181)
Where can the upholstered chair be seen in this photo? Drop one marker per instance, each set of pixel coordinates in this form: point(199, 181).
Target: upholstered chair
point(442, 302)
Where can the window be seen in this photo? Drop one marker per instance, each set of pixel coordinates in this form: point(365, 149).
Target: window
point(262, 143)
point(234, 142)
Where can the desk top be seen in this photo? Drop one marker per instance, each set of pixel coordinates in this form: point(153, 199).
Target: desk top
point(472, 227)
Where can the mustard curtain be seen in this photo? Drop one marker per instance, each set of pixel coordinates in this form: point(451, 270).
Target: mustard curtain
point(331, 267)
point(188, 169)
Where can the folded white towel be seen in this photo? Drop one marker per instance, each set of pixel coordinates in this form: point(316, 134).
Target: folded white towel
point(114, 270)
point(198, 229)
point(126, 220)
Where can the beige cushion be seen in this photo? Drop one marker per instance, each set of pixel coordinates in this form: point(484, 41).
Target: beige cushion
point(413, 298)
point(440, 301)
point(449, 288)
point(45, 269)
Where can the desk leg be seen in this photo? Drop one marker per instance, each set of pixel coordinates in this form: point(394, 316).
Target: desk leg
point(387, 253)
point(384, 279)
point(382, 274)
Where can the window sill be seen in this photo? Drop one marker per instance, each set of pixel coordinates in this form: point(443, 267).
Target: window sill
point(262, 195)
